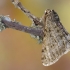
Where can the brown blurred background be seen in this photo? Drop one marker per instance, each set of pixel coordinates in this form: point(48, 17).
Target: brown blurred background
point(18, 51)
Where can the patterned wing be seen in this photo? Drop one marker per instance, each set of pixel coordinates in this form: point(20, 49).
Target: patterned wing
point(55, 42)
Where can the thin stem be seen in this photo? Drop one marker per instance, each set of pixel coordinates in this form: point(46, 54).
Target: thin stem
point(18, 4)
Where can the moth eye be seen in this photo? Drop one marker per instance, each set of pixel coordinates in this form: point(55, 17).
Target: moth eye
point(46, 12)
point(52, 10)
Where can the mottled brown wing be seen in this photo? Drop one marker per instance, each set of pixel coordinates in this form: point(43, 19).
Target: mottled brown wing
point(55, 42)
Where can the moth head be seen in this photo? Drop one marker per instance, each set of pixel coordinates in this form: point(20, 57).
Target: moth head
point(48, 11)
point(51, 15)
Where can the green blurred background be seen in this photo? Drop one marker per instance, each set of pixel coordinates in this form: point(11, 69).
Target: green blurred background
point(18, 51)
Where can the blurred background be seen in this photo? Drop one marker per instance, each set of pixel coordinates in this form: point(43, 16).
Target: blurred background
point(18, 51)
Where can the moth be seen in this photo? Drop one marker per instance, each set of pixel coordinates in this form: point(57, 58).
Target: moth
point(54, 37)
point(55, 41)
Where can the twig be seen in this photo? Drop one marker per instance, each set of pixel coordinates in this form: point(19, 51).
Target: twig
point(37, 32)
point(18, 4)
point(6, 22)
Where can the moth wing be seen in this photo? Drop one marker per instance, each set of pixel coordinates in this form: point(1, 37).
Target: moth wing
point(51, 52)
point(55, 45)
